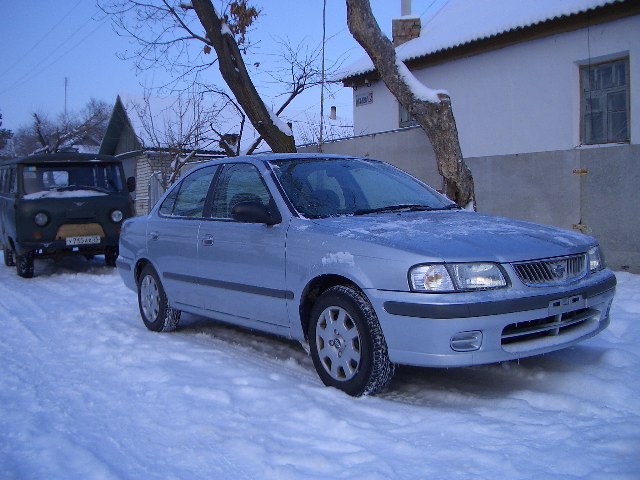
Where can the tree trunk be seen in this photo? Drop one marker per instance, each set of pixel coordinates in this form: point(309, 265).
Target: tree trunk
point(235, 74)
point(436, 118)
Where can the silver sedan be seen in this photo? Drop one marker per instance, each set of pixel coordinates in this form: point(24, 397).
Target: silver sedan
point(363, 264)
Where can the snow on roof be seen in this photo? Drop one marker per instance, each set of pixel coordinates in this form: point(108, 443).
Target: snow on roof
point(463, 21)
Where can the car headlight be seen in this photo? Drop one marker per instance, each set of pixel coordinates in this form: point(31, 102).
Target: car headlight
point(456, 277)
point(596, 260)
point(41, 219)
point(116, 216)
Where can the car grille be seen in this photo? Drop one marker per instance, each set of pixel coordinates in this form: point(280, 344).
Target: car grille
point(535, 331)
point(552, 271)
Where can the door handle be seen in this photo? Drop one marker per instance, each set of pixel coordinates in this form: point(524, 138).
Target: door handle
point(153, 235)
point(207, 240)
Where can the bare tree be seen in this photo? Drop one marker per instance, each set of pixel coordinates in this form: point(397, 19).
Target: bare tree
point(179, 126)
point(165, 28)
point(433, 114)
point(332, 129)
point(5, 135)
point(66, 131)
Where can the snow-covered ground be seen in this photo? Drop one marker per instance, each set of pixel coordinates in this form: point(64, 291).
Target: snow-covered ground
point(86, 392)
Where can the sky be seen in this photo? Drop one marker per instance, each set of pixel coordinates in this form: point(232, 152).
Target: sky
point(47, 45)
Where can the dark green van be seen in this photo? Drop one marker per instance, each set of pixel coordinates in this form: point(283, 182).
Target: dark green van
point(61, 204)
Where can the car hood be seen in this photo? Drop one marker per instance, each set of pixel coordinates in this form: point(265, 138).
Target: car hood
point(458, 236)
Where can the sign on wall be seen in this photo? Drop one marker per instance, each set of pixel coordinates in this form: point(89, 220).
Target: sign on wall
point(364, 99)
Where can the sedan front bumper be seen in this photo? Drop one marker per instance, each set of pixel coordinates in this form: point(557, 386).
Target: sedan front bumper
point(466, 329)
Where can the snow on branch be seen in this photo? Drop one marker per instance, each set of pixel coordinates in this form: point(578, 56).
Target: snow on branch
point(282, 126)
point(419, 89)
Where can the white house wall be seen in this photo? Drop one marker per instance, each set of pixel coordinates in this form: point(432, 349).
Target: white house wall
point(519, 99)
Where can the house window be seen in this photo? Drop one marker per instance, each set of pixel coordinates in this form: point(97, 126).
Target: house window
point(406, 120)
point(605, 102)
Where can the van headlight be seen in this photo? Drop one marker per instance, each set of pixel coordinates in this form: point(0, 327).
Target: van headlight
point(456, 277)
point(116, 216)
point(41, 219)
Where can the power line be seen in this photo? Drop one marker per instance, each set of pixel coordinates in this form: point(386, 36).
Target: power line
point(41, 68)
point(425, 10)
point(437, 13)
point(38, 42)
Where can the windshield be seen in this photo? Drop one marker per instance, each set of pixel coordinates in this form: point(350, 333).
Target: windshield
point(353, 186)
point(90, 178)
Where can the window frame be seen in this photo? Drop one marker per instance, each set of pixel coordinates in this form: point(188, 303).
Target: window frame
point(174, 194)
point(587, 94)
point(405, 120)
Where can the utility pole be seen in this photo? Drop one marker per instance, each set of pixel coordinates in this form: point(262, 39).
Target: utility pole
point(324, 32)
point(66, 84)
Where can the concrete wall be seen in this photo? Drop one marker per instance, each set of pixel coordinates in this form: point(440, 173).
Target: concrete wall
point(519, 99)
point(591, 189)
point(407, 148)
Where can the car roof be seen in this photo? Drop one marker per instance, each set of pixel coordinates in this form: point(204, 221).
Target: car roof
point(62, 158)
point(270, 157)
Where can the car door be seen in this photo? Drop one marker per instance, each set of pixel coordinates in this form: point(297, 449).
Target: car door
point(242, 265)
point(172, 238)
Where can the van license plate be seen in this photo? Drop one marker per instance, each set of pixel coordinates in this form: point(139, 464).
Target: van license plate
point(89, 240)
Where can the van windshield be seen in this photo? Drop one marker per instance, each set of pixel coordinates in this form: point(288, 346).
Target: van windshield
point(78, 179)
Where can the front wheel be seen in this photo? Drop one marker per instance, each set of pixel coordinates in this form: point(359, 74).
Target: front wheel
point(156, 313)
point(24, 265)
point(348, 347)
point(9, 259)
point(110, 256)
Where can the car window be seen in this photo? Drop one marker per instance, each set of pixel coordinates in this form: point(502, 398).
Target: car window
point(169, 201)
point(189, 198)
point(238, 182)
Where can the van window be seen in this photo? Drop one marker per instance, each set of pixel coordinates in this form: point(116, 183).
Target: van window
point(7, 182)
point(51, 179)
point(13, 185)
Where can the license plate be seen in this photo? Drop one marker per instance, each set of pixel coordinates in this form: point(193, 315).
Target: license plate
point(88, 240)
point(567, 304)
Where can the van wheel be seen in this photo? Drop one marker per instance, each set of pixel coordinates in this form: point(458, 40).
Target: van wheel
point(156, 313)
point(9, 259)
point(24, 265)
point(347, 344)
point(110, 257)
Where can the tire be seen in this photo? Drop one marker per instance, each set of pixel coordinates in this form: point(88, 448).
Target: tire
point(155, 311)
point(9, 259)
point(24, 265)
point(110, 257)
point(347, 345)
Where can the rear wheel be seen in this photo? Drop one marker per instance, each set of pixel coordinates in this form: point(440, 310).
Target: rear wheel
point(347, 345)
point(24, 265)
point(156, 313)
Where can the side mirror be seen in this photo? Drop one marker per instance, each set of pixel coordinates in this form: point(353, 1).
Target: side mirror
point(131, 184)
point(253, 212)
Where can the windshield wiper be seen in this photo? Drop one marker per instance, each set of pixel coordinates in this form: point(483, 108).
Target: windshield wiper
point(394, 208)
point(80, 187)
point(451, 206)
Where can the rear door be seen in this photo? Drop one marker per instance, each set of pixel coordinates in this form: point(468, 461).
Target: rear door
point(172, 238)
